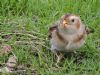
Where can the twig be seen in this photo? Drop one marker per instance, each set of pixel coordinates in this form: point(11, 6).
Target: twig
point(29, 42)
point(24, 34)
point(37, 33)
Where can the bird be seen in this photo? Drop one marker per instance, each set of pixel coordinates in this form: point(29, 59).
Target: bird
point(67, 35)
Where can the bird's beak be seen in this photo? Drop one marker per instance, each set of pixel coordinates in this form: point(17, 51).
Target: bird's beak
point(65, 23)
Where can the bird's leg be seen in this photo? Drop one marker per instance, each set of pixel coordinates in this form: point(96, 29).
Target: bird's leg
point(59, 56)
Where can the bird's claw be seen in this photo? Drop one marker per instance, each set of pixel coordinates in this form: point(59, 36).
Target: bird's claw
point(59, 57)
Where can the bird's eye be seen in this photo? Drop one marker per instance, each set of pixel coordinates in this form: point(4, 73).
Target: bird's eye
point(72, 20)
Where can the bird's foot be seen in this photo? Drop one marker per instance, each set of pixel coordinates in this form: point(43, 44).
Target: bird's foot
point(59, 57)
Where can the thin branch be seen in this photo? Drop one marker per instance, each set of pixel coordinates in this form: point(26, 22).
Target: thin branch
point(2, 34)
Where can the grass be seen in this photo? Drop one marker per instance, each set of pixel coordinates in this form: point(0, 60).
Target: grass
point(35, 16)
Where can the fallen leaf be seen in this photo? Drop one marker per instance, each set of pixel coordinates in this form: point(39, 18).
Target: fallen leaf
point(5, 49)
point(5, 70)
point(10, 65)
point(12, 62)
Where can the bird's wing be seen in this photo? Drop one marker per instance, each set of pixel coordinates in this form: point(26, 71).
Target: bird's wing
point(53, 27)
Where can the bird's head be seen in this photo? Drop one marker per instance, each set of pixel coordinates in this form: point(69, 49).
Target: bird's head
point(70, 23)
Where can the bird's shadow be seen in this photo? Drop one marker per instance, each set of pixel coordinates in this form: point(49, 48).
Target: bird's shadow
point(78, 56)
